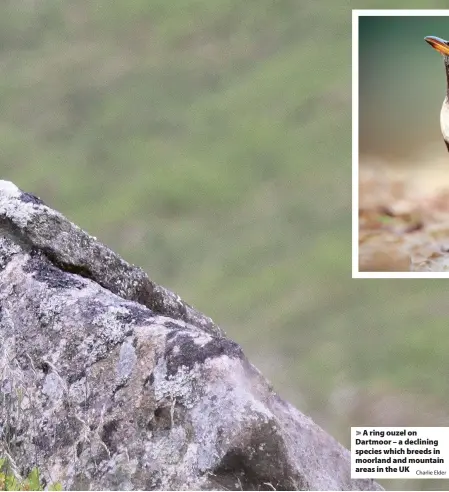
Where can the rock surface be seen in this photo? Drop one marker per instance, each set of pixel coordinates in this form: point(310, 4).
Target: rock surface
point(109, 381)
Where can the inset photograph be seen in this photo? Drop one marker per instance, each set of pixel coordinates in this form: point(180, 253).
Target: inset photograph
point(400, 143)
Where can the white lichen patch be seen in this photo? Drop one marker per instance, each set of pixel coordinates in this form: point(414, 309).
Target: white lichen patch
point(9, 189)
point(79, 391)
point(168, 450)
point(201, 339)
point(53, 386)
point(112, 325)
point(174, 386)
point(126, 362)
point(11, 207)
point(8, 249)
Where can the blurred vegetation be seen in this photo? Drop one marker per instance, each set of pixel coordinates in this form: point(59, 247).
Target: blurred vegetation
point(208, 141)
point(9, 481)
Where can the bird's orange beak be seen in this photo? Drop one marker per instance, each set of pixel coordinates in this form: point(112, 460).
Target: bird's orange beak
point(438, 44)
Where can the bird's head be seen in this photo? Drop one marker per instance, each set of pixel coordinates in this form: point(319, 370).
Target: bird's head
point(441, 45)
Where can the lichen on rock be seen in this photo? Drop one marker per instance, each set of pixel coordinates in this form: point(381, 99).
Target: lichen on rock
point(109, 381)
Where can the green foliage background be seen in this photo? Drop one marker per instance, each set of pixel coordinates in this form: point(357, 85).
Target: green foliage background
point(209, 141)
point(8, 481)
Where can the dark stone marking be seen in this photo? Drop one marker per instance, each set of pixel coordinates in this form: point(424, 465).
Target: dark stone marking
point(107, 435)
point(137, 314)
point(67, 267)
point(120, 386)
point(257, 468)
point(30, 198)
point(79, 449)
point(66, 432)
point(173, 326)
point(44, 271)
point(148, 382)
point(72, 378)
point(10, 432)
point(93, 308)
point(190, 353)
point(45, 367)
point(157, 485)
point(162, 419)
point(42, 441)
point(8, 249)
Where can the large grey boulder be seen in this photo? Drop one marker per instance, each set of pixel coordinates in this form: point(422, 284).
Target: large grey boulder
point(109, 381)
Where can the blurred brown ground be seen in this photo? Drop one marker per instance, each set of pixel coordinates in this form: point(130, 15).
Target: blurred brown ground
point(403, 217)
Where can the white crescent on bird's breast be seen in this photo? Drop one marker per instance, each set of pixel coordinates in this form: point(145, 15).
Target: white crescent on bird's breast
point(444, 119)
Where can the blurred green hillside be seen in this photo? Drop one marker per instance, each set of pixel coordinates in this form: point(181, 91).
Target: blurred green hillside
point(209, 142)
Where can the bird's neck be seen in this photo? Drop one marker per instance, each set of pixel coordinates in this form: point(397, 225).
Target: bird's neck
point(446, 67)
